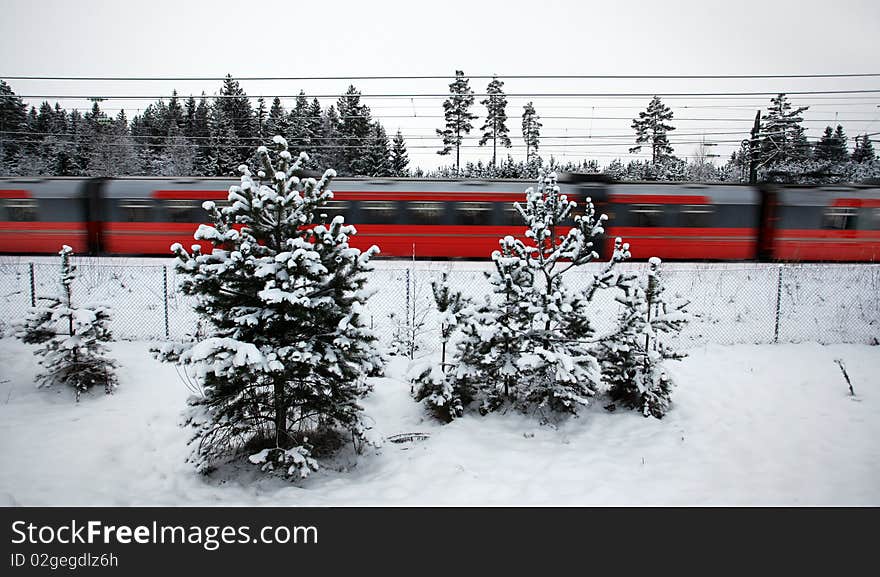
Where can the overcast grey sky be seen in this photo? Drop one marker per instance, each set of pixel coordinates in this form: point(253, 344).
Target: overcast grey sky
point(290, 38)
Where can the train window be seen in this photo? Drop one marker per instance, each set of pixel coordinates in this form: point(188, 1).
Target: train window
point(21, 209)
point(474, 213)
point(840, 218)
point(136, 211)
point(510, 216)
point(695, 215)
point(185, 211)
point(378, 212)
point(332, 209)
point(646, 214)
point(425, 212)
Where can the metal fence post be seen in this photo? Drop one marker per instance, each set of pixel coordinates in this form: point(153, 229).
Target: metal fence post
point(407, 297)
point(165, 296)
point(33, 289)
point(778, 303)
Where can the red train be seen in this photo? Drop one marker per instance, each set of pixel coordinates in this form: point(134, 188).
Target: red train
point(461, 218)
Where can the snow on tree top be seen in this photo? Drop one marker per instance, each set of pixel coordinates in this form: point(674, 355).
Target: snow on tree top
point(260, 150)
point(278, 139)
point(65, 249)
point(654, 261)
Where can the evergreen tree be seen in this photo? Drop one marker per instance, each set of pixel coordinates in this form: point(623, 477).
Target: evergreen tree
point(261, 118)
point(189, 117)
point(399, 159)
point(378, 156)
point(59, 146)
point(632, 357)
point(529, 346)
point(782, 136)
point(13, 120)
point(205, 162)
point(287, 352)
point(315, 125)
point(531, 130)
point(430, 383)
point(651, 127)
point(238, 114)
point(225, 149)
point(864, 150)
point(298, 124)
point(823, 149)
point(839, 151)
point(73, 337)
point(354, 132)
point(495, 127)
point(331, 152)
point(276, 122)
point(173, 121)
point(456, 110)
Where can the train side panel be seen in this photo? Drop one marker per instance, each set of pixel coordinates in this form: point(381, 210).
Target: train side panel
point(685, 222)
point(832, 223)
point(40, 215)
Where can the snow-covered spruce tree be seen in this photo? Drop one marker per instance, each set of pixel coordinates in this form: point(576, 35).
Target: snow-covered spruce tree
point(651, 128)
point(73, 338)
point(287, 356)
point(429, 382)
point(529, 347)
point(632, 358)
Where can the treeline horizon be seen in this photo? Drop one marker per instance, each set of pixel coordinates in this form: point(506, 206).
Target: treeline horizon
point(211, 136)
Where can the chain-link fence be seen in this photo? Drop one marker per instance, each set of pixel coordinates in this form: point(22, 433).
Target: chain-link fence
point(730, 303)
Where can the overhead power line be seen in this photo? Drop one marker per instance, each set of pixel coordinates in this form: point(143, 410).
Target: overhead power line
point(444, 77)
point(445, 95)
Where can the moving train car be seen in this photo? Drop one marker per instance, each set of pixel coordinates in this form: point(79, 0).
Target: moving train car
point(461, 218)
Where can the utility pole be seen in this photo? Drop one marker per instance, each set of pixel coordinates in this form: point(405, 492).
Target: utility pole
point(753, 150)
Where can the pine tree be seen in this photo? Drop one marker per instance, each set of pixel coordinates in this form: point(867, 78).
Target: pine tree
point(331, 152)
point(651, 127)
point(782, 136)
point(73, 337)
point(13, 119)
point(531, 130)
point(173, 120)
point(839, 151)
point(59, 147)
point(495, 127)
point(225, 149)
point(354, 133)
point(864, 150)
point(261, 115)
point(378, 156)
point(189, 117)
point(315, 126)
point(429, 382)
point(632, 357)
point(233, 128)
point(205, 163)
point(287, 353)
point(528, 346)
point(458, 117)
point(276, 122)
point(399, 159)
point(298, 124)
point(822, 150)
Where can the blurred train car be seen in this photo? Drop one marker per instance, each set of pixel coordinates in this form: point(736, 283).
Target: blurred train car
point(461, 218)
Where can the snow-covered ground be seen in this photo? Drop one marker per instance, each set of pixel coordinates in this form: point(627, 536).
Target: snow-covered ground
point(750, 425)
